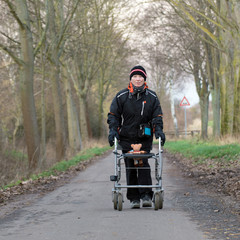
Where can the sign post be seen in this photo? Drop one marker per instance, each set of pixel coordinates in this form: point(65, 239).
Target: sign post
point(184, 103)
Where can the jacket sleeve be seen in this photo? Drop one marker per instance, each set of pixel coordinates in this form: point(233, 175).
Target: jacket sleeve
point(157, 115)
point(115, 115)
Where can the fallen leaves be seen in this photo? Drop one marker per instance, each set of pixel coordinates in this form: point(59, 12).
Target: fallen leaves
point(41, 185)
point(223, 177)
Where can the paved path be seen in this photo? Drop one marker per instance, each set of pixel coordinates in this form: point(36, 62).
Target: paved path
point(82, 209)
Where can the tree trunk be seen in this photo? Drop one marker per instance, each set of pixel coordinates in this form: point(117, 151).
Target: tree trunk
point(43, 113)
point(88, 120)
point(230, 88)
point(202, 84)
point(204, 104)
point(74, 136)
point(56, 90)
point(83, 118)
point(26, 87)
point(216, 109)
point(228, 85)
point(100, 117)
point(233, 14)
point(1, 137)
point(100, 104)
point(216, 90)
point(236, 117)
point(58, 111)
point(175, 123)
point(225, 114)
point(215, 81)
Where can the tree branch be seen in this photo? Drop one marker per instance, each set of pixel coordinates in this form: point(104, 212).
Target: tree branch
point(12, 10)
point(43, 34)
point(206, 17)
point(231, 23)
point(11, 54)
point(41, 41)
point(192, 19)
point(9, 38)
point(67, 23)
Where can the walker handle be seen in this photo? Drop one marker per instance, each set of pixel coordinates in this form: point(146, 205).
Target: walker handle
point(159, 145)
point(115, 144)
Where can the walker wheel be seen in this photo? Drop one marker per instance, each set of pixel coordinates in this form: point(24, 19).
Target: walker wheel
point(158, 201)
point(119, 202)
point(115, 200)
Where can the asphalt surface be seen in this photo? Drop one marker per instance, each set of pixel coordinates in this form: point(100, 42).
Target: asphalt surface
point(82, 209)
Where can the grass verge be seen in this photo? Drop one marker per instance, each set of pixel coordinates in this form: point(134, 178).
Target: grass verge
point(65, 165)
point(202, 151)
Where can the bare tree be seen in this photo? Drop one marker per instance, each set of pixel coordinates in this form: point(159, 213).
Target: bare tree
point(74, 135)
point(25, 62)
point(224, 41)
point(58, 28)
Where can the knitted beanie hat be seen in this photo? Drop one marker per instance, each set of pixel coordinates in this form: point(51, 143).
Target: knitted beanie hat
point(138, 70)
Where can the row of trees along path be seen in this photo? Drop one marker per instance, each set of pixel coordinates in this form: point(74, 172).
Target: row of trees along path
point(74, 46)
point(63, 58)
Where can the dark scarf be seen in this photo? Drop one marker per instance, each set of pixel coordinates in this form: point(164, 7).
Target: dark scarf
point(136, 90)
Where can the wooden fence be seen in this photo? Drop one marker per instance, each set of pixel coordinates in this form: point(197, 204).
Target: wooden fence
point(182, 132)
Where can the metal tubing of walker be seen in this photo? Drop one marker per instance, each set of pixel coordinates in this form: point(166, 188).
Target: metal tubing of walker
point(137, 186)
point(115, 149)
point(160, 157)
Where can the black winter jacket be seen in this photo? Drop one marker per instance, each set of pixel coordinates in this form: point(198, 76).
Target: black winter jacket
point(129, 110)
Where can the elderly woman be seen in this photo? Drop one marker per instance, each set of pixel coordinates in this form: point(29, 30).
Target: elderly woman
point(135, 114)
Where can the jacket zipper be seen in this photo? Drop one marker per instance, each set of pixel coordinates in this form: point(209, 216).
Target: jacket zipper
point(142, 108)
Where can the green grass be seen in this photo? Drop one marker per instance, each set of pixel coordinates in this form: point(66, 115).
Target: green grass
point(17, 156)
point(88, 154)
point(201, 151)
point(65, 165)
point(11, 184)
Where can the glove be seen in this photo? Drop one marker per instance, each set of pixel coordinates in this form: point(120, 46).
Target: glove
point(159, 134)
point(112, 134)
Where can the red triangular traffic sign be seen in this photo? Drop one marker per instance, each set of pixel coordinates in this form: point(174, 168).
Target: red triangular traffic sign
point(184, 102)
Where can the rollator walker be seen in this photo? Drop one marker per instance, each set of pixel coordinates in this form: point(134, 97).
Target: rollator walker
point(117, 196)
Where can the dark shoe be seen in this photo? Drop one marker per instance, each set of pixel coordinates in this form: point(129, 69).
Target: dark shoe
point(147, 201)
point(135, 204)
